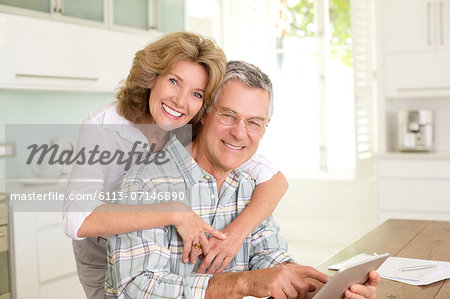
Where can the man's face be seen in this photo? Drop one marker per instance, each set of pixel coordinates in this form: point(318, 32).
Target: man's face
point(226, 147)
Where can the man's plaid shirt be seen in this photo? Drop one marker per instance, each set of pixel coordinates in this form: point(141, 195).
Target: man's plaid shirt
point(148, 264)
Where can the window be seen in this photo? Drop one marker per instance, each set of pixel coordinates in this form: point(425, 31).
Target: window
point(314, 111)
point(321, 67)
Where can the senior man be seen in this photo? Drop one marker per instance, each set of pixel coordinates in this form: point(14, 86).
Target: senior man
point(149, 263)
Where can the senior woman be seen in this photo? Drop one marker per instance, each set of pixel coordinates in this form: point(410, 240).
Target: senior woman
point(171, 82)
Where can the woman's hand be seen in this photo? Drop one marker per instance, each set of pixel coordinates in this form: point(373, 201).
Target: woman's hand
point(221, 252)
point(192, 229)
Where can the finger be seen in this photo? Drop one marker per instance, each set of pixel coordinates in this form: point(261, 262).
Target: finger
point(363, 291)
point(351, 295)
point(374, 279)
point(187, 247)
point(215, 264)
point(302, 287)
point(311, 287)
point(194, 254)
point(290, 291)
point(204, 243)
point(310, 272)
point(278, 294)
point(206, 262)
point(225, 264)
point(214, 232)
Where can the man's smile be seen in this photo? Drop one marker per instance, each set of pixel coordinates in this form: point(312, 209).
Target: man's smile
point(232, 146)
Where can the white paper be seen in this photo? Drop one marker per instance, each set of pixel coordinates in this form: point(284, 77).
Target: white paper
point(414, 271)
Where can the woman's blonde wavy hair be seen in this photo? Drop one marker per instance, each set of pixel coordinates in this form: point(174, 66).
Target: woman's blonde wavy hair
point(158, 58)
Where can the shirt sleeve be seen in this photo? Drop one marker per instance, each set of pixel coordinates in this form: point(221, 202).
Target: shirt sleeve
point(268, 248)
point(260, 169)
point(139, 266)
point(85, 183)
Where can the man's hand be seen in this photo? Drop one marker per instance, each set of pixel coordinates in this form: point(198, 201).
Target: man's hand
point(221, 253)
point(368, 290)
point(283, 281)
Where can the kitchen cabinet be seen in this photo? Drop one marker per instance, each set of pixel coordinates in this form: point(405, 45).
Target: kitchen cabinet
point(91, 10)
point(37, 5)
point(133, 14)
point(414, 187)
point(162, 16)
point(171, 15)
point(159, 15)
point(416, 25)
point(417, 75)
point(46, 49)
point(80, 58)
point(43, 261)
point(415, 39)
point(36, 54)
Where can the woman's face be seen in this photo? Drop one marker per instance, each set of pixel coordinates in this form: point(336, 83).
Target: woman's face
point(177, 95)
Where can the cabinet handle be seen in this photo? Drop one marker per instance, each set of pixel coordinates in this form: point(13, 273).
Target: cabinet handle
point(153, 16)
point(61, 6)
point(423, 88)
point(441, 16)
point(57, 77)
point(429, 23)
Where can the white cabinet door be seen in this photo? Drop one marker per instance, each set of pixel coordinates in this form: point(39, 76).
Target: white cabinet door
point(44, 264)
point(415, 189)
point(408, 25)
point(417, 75)
point(43, 54)
point(444, 24)
point(415, 35)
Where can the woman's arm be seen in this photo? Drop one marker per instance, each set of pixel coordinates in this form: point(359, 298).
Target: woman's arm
point(264, 200)
point(111, 219)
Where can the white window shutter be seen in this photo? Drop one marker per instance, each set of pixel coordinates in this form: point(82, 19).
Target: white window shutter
point(363, 66)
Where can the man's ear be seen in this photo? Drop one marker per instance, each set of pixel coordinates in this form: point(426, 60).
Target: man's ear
point(262, 135)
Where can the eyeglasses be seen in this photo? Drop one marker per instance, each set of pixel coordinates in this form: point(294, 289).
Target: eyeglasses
point(253, 125)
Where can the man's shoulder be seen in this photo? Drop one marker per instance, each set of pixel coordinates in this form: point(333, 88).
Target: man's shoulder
point(242, 178)
point(162, 167)
point(162, 171)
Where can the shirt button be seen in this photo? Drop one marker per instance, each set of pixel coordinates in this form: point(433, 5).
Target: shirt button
point(212, 196)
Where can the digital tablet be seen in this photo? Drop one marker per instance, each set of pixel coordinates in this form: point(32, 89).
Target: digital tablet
point(344, 278)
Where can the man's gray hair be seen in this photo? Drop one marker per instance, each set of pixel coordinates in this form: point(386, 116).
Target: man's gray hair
point(251, 76)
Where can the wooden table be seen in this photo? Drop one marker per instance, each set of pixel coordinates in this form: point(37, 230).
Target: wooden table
point(403, 238)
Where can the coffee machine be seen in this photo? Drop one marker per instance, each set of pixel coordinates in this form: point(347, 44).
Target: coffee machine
point(415, 131)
